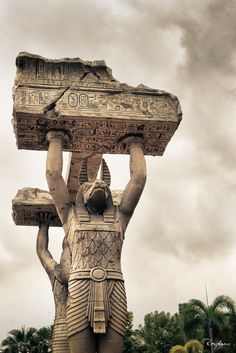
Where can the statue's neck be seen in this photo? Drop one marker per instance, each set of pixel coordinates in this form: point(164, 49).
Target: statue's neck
point(93, 210)
point(95, 207)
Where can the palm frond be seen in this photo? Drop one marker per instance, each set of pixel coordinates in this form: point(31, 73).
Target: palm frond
point(218, 319)
point(224, 302)
point(195, 345)
point(198, 304)
point(178, 349)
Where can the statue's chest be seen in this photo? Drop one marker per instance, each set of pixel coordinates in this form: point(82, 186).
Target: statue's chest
point(96, 244)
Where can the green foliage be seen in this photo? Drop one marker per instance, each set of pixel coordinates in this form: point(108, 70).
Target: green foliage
point(132, 342)
point(192, 323)
point(43, 339)
point(192, 346)
point(160, 332)
point(27, 340)
point(201, 321)
point(227, 336)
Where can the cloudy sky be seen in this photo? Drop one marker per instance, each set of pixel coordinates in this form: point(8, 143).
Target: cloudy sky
point(183, 233)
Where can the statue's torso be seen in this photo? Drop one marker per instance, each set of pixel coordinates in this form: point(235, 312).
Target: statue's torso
point(96, 286)
point(95, 243)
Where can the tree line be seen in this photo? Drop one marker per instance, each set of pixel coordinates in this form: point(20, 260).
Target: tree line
point(196, 328)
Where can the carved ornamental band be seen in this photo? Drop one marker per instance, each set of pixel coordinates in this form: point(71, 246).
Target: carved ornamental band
point(85, 100)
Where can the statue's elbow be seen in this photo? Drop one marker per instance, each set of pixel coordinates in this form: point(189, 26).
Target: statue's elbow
point(144, 179)
point(52, 175)
point(40, 249)
point(140, 179)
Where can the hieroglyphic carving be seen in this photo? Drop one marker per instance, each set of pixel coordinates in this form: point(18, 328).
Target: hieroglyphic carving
point(94, 135)
point(139, 105)
point(84, 103)
point(29, 202)
point(85, 100)
point(34, 69)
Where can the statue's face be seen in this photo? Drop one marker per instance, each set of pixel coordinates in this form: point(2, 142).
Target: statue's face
point(95, 196)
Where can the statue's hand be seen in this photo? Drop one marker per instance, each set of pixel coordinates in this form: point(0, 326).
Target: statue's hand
point(131, 141)
point(56, 135)
point(44, 218)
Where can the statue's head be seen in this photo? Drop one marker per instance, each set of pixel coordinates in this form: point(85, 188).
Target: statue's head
point(95, 195)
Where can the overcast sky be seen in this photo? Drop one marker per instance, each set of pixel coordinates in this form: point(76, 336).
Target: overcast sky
point(183, 233)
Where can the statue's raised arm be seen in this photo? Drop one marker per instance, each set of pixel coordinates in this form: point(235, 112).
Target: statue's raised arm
point(137, 180)
point(43, 253)
point(59, 339)
point(56, 183)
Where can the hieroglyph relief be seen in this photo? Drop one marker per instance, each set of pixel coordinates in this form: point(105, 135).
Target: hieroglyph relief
point(94, 109)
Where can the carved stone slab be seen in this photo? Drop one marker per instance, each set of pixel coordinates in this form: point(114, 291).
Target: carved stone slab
point(28, 202)
point(83, 98)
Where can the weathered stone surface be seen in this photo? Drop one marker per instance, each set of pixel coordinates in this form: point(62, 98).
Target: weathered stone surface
point(28, 202)
point(85, 100)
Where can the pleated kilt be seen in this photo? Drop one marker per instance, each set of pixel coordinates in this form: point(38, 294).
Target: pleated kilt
point(59, 342)
point(97, 304)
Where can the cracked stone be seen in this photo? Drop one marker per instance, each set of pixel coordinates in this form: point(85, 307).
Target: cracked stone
point(85, 100)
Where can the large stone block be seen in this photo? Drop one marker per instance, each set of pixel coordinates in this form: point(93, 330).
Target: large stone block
point(29, 202)
point(84, 99)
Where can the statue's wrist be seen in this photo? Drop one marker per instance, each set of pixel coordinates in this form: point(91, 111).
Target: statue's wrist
point(131, 141)
point(137, 144)
point(55, 136)
point(43, 225)
point(56, 139)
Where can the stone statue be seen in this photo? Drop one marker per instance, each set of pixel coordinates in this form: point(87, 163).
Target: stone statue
point(59, 343)
point(90, 263)
point(81, 108)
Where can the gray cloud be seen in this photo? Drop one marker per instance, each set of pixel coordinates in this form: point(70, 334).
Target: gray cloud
point(208, 36)
point(194, 205)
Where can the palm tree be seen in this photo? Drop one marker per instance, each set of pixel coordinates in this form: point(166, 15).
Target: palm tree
point(20, 341)
point(43, 339)
point(28, 340)
point(208, 317)
point(192, 346)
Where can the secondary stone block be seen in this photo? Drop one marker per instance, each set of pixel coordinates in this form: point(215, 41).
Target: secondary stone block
point(84, 99)
point(29, 202)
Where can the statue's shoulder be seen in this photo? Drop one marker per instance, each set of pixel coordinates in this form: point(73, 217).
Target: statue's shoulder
point(117, 213)
point(69, 218)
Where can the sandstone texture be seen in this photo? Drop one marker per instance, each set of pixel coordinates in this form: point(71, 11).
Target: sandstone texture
point(90, 105)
